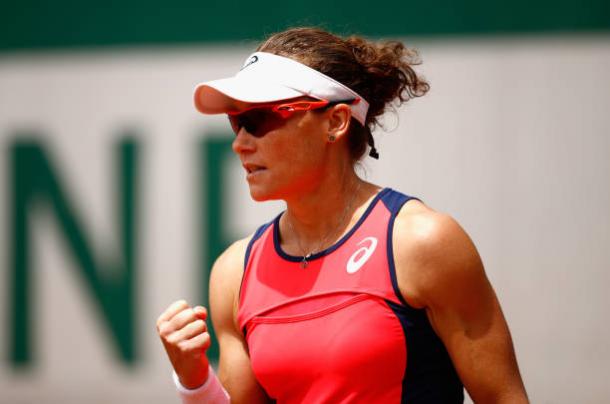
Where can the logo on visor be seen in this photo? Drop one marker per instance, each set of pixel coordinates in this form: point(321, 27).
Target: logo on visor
point(250, 61)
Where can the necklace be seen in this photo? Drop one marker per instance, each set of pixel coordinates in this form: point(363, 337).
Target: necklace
point(306, 256)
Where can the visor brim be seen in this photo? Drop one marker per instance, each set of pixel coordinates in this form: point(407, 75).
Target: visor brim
point(226, 95)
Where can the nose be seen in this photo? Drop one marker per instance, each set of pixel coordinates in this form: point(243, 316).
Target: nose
point(243, 142)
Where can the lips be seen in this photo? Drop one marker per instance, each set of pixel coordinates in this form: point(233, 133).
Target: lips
point(253, 168)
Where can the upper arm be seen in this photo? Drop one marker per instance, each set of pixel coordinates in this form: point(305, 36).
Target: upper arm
point(441, 271)
point(234, 371)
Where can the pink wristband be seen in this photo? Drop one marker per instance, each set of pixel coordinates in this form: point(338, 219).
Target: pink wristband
point(210, 392)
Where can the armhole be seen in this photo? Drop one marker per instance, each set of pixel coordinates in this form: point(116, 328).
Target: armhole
point(394, 201)
point(429, 375)
point(257, 234)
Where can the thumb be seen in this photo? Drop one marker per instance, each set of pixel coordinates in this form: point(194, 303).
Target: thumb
point(201, 312)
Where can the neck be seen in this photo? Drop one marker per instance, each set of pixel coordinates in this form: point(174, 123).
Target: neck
point(316, 218)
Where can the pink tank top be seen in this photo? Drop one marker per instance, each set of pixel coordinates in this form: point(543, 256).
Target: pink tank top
point(331, 332)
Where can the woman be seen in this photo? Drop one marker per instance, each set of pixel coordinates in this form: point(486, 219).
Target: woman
point(355, 293)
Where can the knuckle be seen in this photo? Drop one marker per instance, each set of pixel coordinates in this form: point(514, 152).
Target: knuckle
point(178, 306)
point(185, 314)
point(189, 313)
point(184, 347)
point(164, 329)
point(206, 340)
point(173, 339)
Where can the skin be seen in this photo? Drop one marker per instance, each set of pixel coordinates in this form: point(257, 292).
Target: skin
point(438, 267)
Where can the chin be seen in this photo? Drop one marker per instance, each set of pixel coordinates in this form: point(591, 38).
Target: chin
point(258, 198)
point(261, 193)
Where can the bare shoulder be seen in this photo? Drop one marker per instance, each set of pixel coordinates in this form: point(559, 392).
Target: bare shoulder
point(420, 229)
point(431, 250)
point(230, 264)
point(225, 281)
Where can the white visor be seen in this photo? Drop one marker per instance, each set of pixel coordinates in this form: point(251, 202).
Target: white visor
point(266, 77)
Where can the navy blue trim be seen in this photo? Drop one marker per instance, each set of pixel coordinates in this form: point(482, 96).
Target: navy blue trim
point(294, 258)
point(394, 201)
point(257, 234)
point(430, 376)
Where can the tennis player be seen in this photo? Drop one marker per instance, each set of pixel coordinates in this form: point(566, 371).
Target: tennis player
point(356, 293)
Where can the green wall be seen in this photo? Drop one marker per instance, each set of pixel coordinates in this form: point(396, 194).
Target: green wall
point(63, 24)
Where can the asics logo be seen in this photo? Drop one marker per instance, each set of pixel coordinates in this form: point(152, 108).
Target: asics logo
point(361, 255)
point(253, 59)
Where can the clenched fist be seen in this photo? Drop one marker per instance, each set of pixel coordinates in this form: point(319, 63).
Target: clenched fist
point(185, 337)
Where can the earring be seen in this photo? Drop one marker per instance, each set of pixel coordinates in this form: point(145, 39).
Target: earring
point(331, 138)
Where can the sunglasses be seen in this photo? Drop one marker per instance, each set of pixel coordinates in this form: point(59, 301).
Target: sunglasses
point(259, 120)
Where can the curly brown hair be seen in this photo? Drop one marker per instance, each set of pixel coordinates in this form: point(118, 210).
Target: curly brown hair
point(381, 72)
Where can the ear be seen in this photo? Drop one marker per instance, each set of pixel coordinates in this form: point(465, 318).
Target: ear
point(339, 117)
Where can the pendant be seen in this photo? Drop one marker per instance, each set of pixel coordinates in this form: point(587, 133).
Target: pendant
point(304, 262)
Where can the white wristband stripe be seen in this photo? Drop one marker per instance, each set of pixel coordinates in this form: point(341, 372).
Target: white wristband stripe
point(210, 392)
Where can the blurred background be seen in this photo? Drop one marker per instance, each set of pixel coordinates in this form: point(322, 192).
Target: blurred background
point(116, 196)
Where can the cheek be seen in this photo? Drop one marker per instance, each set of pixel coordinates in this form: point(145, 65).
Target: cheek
point(295, 157)
point(309, 142)
point(301, 153)
point(297, 146)
point(301, 166)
